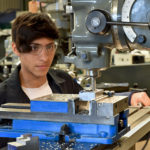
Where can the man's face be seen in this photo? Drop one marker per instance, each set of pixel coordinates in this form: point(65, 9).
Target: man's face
point(37, 62)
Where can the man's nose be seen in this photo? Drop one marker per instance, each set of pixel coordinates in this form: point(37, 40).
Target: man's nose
point(44, 54)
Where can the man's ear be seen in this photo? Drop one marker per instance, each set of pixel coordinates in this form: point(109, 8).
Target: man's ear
point(15, 50)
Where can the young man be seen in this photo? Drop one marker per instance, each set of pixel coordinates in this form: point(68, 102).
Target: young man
point(33, 37)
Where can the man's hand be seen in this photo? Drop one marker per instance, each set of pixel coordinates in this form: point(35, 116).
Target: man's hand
point(140, 97)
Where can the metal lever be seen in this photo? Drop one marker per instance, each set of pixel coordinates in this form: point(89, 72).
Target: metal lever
point(145, 24)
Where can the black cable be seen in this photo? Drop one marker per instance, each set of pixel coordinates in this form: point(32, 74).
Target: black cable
point(41, 9)
point(148, 137)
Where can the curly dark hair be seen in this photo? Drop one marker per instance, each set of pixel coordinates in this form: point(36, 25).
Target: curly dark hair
point(31, 26)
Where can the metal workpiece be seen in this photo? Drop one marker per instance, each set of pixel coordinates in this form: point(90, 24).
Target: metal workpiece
point(25, 142)
point(90, 95)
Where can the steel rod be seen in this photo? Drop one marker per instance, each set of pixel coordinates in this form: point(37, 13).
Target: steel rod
point(129, 23)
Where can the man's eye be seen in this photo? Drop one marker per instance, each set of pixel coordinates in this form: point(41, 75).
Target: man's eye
point(49, 46)
point(34, 47)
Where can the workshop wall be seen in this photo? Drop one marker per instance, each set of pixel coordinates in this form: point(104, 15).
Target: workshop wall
point(13, 4)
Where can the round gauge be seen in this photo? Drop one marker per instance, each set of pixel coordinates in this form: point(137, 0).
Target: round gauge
point(137, 11)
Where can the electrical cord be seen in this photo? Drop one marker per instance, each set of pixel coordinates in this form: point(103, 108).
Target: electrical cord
point(148, 137)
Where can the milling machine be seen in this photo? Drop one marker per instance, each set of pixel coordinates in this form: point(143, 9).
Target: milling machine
point(94, 116)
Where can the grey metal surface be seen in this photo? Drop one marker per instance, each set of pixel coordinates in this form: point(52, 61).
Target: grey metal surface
point(90, 95)
point(132, 74)
point(43, 116)
point(115, 103)
point(89, 53)
point(93, 50)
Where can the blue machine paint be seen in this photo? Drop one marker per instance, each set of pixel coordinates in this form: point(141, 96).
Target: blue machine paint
point(49, 106)
point(79, 132)
point(89, 133)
